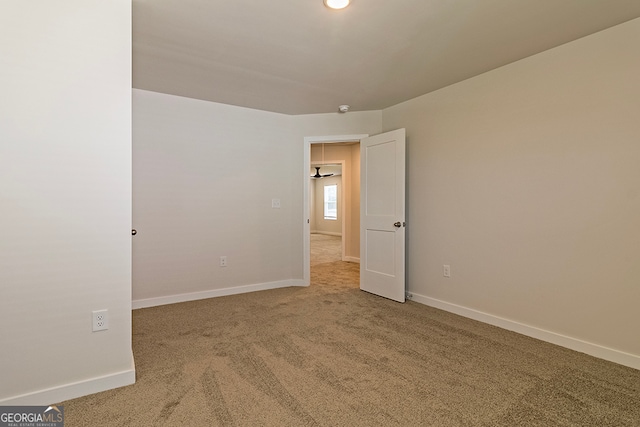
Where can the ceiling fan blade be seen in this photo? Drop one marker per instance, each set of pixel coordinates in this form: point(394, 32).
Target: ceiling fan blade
point(318, 175)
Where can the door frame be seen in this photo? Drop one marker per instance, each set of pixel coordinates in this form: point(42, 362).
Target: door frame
point(306, 228)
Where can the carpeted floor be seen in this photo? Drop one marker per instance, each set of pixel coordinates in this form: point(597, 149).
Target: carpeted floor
point(332, 355)
point(324, 249)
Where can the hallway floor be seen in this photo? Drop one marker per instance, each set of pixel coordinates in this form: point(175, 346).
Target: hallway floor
point(327, 267)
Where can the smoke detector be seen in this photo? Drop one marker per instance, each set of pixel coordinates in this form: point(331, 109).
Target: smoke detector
point(343, 108)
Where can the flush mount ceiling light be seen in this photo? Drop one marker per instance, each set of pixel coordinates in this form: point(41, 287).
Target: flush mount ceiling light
point(336, 4)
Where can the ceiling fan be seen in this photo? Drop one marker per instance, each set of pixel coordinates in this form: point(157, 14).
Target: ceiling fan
point(317, 175)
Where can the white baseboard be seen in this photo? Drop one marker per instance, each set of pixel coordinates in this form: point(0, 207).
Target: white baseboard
point(73, 390)
point(193, 296)
point(352, 259)
point(612, 355)
point(327, 233)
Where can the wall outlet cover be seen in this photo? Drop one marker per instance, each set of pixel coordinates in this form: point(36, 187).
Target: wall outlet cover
point(100, 320)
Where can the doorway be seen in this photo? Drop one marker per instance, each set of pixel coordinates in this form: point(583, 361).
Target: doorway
point(327, 201)
point(345, 151)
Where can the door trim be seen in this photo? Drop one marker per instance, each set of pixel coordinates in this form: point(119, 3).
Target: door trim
point(306, 230)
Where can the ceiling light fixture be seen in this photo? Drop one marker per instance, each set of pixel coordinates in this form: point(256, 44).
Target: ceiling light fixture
point(336, 4)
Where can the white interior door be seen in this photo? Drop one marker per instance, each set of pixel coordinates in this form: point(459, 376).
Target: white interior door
point(382, 214)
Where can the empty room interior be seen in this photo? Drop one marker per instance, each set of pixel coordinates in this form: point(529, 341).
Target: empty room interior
point(185, 184)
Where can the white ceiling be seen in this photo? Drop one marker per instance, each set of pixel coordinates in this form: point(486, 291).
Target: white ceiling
point(298, 57)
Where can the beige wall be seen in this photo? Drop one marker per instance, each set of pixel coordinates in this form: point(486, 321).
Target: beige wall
point(312, 205)
point(526, 180)
point(354, 243)
point(65, 199)
point(203, 188)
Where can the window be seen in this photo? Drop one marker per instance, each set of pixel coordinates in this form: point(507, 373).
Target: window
point(331, 202)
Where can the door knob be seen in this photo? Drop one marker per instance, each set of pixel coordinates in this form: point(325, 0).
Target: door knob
point(134, 232)
point(397, 224)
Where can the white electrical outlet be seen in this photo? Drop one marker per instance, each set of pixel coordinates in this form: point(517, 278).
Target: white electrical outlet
point(275, 203)
point(100, 320)
point(446, 270)
point(223, 261)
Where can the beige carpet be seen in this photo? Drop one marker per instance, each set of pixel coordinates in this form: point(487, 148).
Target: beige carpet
point(332, 355)
point(324, 249)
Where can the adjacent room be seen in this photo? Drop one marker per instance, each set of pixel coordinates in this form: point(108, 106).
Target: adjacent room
point(202, 126)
